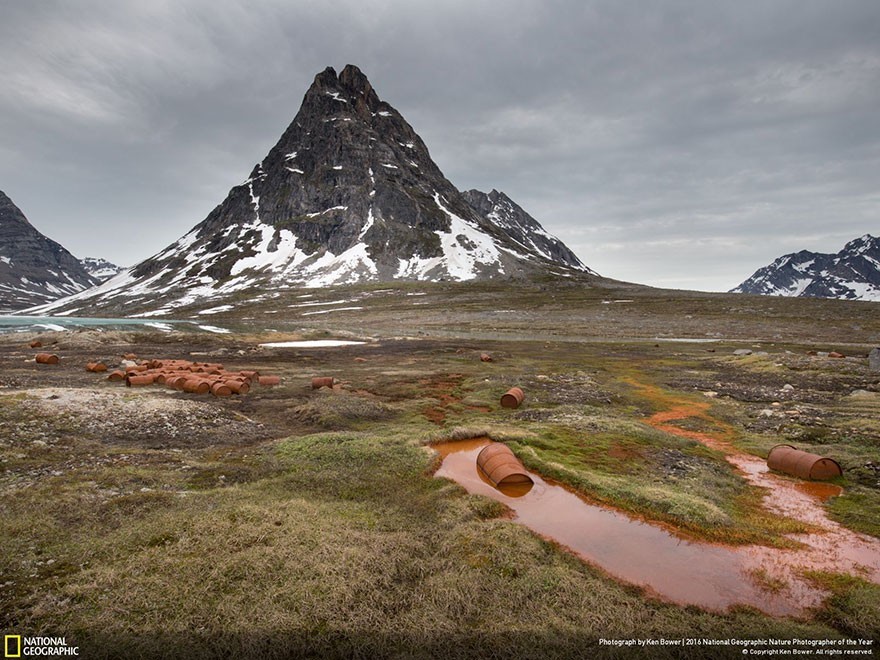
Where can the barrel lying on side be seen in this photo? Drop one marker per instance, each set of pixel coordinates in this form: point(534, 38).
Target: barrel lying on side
point(512, 398)
point(500, 465)
point(46, 358)
point(788, 459)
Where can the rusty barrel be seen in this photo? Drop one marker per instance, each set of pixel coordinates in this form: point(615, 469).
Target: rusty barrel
point(116, 376)
point(238, 386)
point(96, 367)
point(46, 358)
point(322, 381)
point(221, 389)
point(269, 380)
point(36, 343)
point(485, 357)
point(175, 382)
point(196, 386)
point(512, 398)
point(139, 381)
point(793, 461)
point(500, 465)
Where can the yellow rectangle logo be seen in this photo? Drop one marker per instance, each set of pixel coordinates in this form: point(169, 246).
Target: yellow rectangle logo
point(12, 646)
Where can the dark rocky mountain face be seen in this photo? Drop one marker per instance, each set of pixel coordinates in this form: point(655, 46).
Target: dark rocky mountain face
point(348, 194)
point(852, 274)
point(33, 269)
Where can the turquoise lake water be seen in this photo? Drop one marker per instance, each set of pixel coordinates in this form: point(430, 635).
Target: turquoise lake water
point(58, 323)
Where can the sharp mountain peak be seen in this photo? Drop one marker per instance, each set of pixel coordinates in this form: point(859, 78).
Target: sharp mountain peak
point(349, 193)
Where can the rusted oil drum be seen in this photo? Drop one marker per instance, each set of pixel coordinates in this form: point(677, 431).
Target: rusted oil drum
point(36, 343)
point(500, 465)
point(802, 464)
point(485, 357)
point(269, 380)
point(238, 386)
point(221, 389)
point(512, 398)
point(322, 381)
point(175, 382)
point(116, 376)
point(46, 358)
point(196, 386)
point(139, 381)
point(251, 375)
point(96, 367)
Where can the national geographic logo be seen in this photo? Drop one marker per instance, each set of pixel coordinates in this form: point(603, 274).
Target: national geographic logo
point(17, 646)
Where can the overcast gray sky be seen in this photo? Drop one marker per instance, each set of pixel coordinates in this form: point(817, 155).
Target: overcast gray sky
point(679, 144)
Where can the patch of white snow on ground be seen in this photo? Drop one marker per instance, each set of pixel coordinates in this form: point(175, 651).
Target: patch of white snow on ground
point(217, 310)
point(327, 311)
point(350, 267)
point(164, 327)
point(214, 328)
point(330, 302)
point(864, 291)
point(463, 255)
point(312, 343)
point(284, 254)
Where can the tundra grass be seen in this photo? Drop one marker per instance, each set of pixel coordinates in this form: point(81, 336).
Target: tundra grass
point(346, 549)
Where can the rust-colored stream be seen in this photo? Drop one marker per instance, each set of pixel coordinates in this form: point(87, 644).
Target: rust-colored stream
point(687, 572)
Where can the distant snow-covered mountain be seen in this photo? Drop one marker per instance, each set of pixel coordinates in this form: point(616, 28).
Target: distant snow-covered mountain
point(101, 269)
point(852, 274)
point(34, 269)
point(348, 194)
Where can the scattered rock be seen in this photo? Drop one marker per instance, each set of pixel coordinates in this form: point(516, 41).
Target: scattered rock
point(743, 351)
point(788, 387)
point(835, 354)
point(874, 359)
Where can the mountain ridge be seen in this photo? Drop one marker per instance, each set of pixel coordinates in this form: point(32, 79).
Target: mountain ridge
point(853, 273)
point(348, 194)
point(34, 269)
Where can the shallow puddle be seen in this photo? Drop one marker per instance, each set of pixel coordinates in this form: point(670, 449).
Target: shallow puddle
point(835, 549)
point(686, 572)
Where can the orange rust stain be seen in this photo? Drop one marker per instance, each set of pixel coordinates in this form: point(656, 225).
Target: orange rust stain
point(834, 549)
point(434, 414)
point(685, 571)
point(818, 490)
point(668, 567)
point(621, 452)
